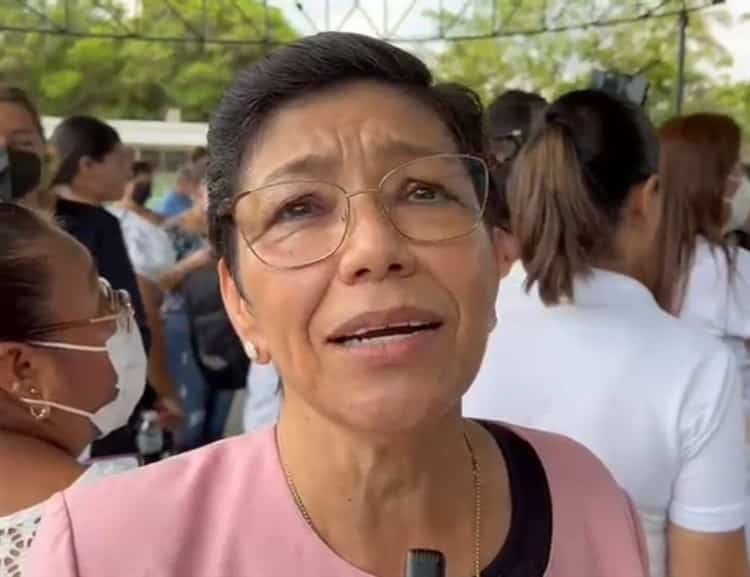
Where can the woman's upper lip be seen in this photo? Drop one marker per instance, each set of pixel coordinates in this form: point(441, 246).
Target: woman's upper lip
point(382, 319)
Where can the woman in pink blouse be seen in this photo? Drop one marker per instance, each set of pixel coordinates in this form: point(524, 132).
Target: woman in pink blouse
point(353, 214)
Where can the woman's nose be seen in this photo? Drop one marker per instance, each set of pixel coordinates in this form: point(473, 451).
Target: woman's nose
point(373, 248)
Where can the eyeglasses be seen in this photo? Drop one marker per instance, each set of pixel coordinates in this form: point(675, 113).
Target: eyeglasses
point(297, 223)
point(117, 302)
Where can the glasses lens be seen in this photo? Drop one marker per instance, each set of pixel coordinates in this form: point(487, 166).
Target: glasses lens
point(436, 198)
point(292, 224)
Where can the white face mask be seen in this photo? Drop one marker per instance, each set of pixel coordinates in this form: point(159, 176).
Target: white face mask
point(128, 358)
point(740, 207)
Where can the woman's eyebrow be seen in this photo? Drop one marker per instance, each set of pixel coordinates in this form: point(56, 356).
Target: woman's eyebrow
point(316, 163)
point(308, 164)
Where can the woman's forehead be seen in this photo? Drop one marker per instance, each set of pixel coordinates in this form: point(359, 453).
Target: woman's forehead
point(358, 123)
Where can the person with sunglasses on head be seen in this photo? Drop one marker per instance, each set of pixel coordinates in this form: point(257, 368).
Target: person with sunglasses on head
point(72, 368)
point(597, 356)
point(348, 198)
point(508, 121)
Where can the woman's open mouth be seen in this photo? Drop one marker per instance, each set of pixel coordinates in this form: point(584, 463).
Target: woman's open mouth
point(390, 333)
point(385, 335)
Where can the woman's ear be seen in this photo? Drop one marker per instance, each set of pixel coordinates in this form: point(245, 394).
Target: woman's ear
point(241, 315)
point(84, 164)
point(506, 251)
point(644, 200)
point(19, 372)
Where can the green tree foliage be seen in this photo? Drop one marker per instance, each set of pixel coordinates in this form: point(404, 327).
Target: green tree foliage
point(131, 78)
point(554, 62)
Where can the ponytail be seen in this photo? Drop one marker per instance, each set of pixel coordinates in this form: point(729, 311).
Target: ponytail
point(553, 216)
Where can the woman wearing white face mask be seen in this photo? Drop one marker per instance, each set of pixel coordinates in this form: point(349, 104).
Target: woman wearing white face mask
point(700, 163)
point(72, 368)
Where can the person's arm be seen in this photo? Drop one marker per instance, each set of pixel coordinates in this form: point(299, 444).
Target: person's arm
point(158, 372)
point(693, 554)
point(707, 513)
point(173, 277)
point(145, 213)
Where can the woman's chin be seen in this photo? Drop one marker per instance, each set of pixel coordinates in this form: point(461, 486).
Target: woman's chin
point(394, 412)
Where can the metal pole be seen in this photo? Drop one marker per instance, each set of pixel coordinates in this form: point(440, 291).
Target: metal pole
point(683, 21)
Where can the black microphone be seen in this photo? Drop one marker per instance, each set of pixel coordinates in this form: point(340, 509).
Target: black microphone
point(425, 563)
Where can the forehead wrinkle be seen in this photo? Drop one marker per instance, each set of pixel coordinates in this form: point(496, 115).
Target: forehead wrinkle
point(362, 136)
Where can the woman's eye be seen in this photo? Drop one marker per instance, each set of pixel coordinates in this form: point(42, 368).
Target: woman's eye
point(425, 193)
point(299, 208)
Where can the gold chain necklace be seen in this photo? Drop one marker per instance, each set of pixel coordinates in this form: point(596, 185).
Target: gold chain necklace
point(477, 504)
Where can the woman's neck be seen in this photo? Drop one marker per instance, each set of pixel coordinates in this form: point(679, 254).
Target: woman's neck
point(33, 471)
point(68, 192)
point(369, 494)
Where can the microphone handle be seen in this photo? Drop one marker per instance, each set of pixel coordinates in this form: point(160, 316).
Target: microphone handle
point(425, 563)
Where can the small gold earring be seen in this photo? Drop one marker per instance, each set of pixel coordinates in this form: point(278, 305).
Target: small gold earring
point(39, 413)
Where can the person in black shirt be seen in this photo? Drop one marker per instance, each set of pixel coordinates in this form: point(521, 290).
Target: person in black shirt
point(93, 168)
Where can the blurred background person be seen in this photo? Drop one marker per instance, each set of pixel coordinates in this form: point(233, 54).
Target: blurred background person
point(204, 355)
point(72, 367)
point(93, 169)
point(596, 356)
point(263, 398)
point(153, 257)
point(700, 169)
point(508, 121)
point(22, 137)
point(139, 192)
point(180, 198)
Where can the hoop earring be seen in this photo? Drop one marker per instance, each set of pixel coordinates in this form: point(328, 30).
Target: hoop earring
point(40, 413)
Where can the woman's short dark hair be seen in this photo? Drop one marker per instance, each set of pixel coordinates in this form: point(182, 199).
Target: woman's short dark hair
point(24, 268)
point(570, 183)
point(17, 96)
point(77, 137)
point(307, 66)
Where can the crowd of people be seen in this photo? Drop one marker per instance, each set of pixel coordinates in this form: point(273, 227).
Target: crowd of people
point(518, 337)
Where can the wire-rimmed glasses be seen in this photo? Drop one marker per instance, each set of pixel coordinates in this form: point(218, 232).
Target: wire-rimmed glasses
point(295, 223)
point(119, 309)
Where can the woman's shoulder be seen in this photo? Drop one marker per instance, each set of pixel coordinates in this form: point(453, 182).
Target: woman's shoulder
point(717, 294)
point(565, 459)
point(178, 511)
point(593, 519)
point(183, 474)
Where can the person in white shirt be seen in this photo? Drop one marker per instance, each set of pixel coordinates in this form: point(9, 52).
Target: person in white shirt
point(263, 401)
point(153, 257)
point(72, 369)
point(596, 357)
point(700, 165)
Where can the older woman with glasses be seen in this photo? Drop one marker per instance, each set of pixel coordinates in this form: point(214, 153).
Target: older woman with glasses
point(348, 203)
point(71, 369)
